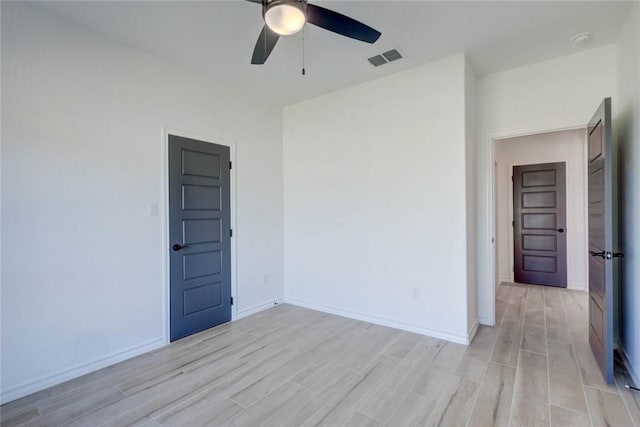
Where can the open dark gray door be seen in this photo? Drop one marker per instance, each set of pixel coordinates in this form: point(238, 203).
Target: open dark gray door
point(200, 233)
point(601, 310)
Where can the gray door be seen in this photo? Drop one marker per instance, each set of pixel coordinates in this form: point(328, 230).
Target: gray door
point(539, 224)
point(200, 235)
point(601, 239)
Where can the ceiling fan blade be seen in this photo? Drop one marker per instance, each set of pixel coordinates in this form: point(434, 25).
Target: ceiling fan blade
point(265, 44)
point(255, 1)
point(338, 23)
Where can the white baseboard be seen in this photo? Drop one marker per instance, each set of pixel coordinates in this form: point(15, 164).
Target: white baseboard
point(460, 339)
point(258, 308)
point(79, 370)
point(485, 321)
point(630, 368)
point(473, 331)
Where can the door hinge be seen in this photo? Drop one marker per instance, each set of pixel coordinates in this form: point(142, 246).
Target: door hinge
point(511, 177)
point(231, 300)
point(231, 232)
point(230, 165)
point(513, 223)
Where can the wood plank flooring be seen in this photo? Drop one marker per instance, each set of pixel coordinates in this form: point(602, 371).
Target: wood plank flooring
point(291, 366)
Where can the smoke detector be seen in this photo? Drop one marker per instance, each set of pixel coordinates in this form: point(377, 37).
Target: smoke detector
point(581, 39)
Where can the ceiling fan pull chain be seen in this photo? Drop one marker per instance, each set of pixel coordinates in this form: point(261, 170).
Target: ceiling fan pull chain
point(303, 70)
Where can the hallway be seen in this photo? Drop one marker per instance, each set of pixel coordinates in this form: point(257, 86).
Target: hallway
point(542, 348)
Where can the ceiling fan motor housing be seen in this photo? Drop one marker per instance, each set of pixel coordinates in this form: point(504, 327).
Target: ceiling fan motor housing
point(300, 4)
point(285, 17)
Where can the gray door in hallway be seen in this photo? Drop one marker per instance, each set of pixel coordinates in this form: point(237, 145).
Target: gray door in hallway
point(601, 310)
point(539, 224)
point(200, 235)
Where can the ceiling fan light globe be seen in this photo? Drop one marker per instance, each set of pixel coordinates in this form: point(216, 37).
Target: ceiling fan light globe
point(284, 19)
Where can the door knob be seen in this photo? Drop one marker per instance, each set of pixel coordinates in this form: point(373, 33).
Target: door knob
point(607, 255)
point(560, 230)
point(177, 247)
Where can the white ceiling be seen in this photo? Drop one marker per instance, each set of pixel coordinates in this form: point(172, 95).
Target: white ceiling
point(217, 37)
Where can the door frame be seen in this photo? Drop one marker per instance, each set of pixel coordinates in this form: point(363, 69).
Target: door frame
point(489, 242)
point(164, 218)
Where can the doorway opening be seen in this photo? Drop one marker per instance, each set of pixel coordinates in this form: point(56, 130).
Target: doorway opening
point(593, 186)
point(542, 239)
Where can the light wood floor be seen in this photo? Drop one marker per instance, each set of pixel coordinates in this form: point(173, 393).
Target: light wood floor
point(290, 366)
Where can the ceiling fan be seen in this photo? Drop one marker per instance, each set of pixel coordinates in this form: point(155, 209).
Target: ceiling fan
point(287, 17)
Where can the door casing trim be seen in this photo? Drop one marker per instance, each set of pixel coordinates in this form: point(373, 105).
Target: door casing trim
point(164, 217)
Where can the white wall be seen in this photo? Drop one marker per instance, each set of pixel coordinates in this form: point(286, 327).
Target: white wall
point(375, 201)
point(550, 95)
point(628, 137)
point(82, 285)
point(566, 146)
